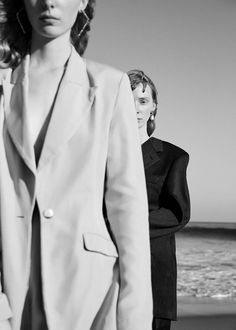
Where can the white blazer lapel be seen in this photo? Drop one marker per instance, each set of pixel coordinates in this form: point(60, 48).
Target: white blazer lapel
point(72, 106)
point(15, 89)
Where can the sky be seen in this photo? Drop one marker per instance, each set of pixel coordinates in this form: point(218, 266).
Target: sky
point(188, 48)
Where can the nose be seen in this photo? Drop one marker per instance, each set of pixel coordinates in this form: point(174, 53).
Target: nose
point(138, 111)
point(46, 4)
point(137, 106)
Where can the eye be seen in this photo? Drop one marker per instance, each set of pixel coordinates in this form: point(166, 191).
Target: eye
point(143, 101)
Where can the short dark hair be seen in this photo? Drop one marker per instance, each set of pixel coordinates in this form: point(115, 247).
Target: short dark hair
point(137, 77)
point(14, 44)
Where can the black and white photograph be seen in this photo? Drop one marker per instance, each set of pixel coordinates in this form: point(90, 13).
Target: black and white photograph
point(117, 165)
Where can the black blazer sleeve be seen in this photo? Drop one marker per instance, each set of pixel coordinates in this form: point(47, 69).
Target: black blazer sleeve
point(174, 205)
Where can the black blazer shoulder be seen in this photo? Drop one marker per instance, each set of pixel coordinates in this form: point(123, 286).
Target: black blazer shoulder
point(155, 149)
point(168, 148)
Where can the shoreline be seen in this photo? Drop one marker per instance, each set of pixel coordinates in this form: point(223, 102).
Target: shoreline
point(208, 230)
point(205, 314)
point(210, 225)
point(193, 306)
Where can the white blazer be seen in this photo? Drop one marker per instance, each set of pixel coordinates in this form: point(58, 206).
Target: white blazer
point(91, 155)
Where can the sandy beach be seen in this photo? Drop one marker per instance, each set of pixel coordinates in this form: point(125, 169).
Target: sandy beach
point(205, 314)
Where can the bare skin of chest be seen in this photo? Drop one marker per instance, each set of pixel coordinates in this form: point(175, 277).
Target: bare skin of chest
point(42, 91)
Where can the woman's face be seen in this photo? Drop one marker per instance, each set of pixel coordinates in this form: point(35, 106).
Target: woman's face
point(53, 18)
point(144, 104)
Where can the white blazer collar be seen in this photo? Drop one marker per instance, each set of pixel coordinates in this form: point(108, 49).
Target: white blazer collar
point(73, 102)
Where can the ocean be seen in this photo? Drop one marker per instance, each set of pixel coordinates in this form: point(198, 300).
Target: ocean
point(206, 260)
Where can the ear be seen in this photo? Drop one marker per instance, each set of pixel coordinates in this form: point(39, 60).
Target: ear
point(83, 4)
point(154, 106)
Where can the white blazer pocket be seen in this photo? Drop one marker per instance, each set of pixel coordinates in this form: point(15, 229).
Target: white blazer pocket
point(96, 243)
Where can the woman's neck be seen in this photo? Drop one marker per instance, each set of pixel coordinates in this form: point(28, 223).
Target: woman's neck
point(50, 53)
point(143, 134)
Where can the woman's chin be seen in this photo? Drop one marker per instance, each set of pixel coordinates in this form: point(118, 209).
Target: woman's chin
point(140, 123)
point(49, 32)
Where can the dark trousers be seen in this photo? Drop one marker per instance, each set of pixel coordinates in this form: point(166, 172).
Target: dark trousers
point(33, 317)
point(161, 324)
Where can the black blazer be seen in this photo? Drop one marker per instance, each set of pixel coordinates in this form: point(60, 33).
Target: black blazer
point(169, 210)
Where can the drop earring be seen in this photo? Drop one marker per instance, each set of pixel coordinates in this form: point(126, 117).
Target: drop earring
point(85, 24)
point(18, 14)
point(152, 117)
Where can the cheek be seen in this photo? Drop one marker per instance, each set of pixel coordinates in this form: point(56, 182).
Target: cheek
point(29, 12)
point(146, 113)
point(71, 15)
point(71, 9)
point(30, 4)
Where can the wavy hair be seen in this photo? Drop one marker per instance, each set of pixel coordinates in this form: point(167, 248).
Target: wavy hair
point(137, 77)
point(14, 44)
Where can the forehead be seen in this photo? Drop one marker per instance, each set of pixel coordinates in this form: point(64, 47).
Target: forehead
point(140, 92)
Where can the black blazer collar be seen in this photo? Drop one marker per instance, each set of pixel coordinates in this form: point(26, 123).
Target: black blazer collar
point(151, 151)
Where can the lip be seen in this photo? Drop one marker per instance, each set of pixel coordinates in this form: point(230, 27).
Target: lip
point(47, 17)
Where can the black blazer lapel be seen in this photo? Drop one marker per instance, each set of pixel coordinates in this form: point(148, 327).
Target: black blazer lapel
point(151, 151)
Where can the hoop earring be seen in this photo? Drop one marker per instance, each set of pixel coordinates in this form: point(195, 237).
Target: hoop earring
point(19, 20)
point(85, 24)
point(152, 117)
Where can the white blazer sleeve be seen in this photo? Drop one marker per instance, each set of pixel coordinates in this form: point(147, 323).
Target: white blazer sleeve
point(127, 210)
point(5, 310)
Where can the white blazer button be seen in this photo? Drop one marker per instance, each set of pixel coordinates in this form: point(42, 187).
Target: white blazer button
point(48, 213)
